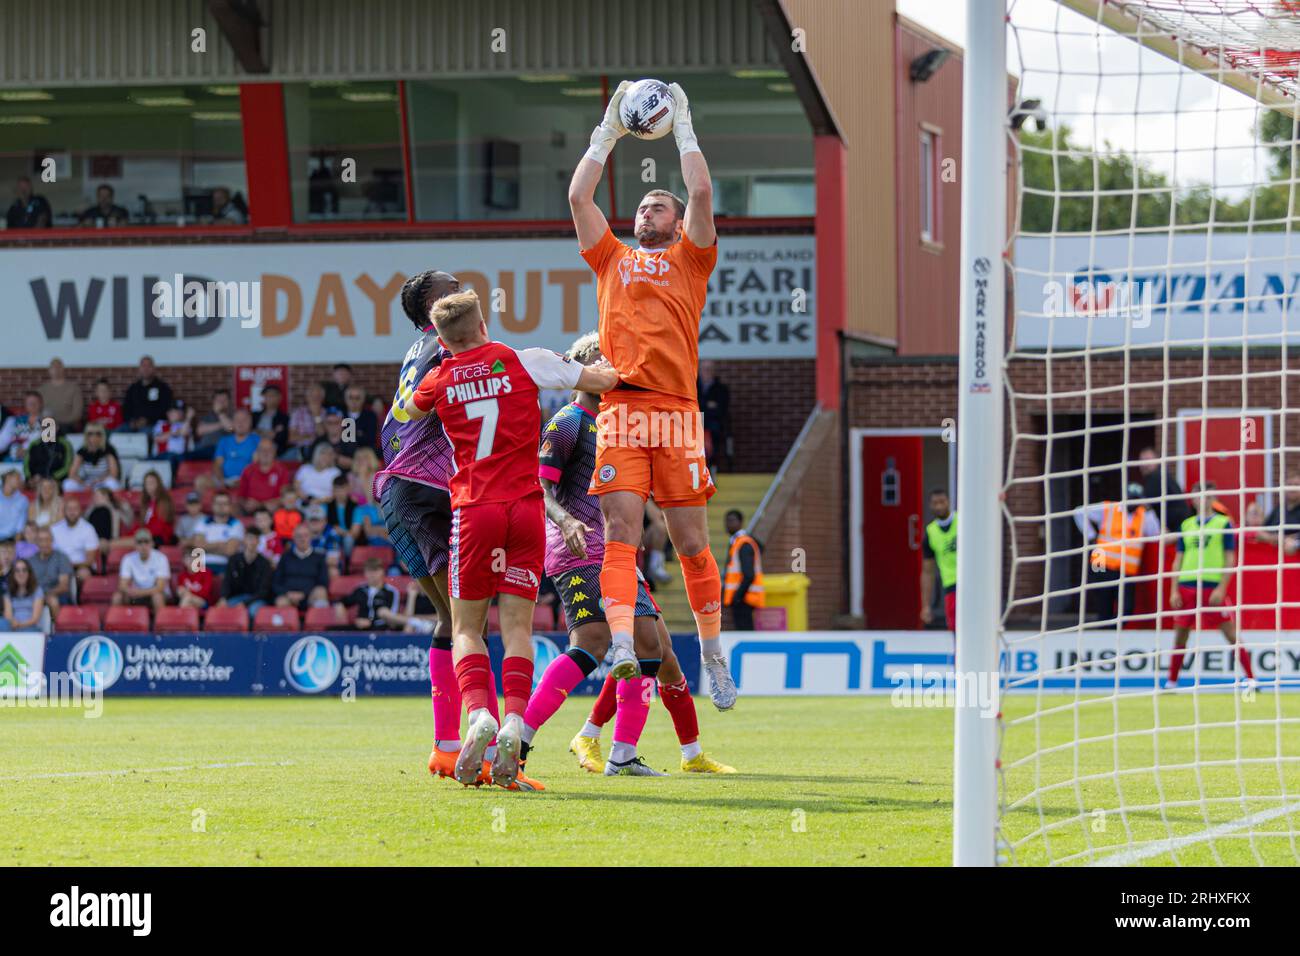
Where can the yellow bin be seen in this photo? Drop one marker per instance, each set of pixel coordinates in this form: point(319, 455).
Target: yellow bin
point(789, 591)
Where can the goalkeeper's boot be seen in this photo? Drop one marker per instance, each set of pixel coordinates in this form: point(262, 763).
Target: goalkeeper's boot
point(703, 763)
point(625, 665)
point(469, 764)
point(636, 767)
point(442, 763)
point(505, 766)
point(722, 689)
point(587, 750)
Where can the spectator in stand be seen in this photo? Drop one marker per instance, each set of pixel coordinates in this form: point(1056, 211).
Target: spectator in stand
point(235, 451)
point(145, 576)
point(373, 528)
point(53, 570)
point(315, 480)
point(324, 538)
point(127, 527)
point(147, 398)
point(263, 480)
point(48, 459)
point(105, 409)
point(379, 408)
point(196, 586)
point(365, 463)
point(247, 580)
point(28, 210)
point(715, 408)
point(26, 547)
point(1285, 525)
point(20, 430)
point(268, 542)
point(189, 522)
point(377, 602)
point(273, 421)
point(24, 604)
point(105, 517)
point(288, 516)
point(302, 577)
point(218, 535)
point(336, 389)
point(212, 427)
point(340, 515)
point(158, 513)
point(105, 213)
point(63, 399)
point(76, 537)
point(13, 505)
point(225, 212)
point(171, 436)
point(7, 558)
point(1254, 516)
point(336, 436)
point(307, 423)
point(47, 507)
point(95, 465)
point(363, 419)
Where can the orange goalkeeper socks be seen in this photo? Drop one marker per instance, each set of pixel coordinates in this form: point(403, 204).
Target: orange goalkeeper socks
point(704, 591)
point(618, 587)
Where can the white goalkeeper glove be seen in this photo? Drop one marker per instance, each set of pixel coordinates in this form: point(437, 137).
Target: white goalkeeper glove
point(604, 136)
point(683, 129)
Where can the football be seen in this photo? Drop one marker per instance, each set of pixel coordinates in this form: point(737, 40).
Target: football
point(648, 109)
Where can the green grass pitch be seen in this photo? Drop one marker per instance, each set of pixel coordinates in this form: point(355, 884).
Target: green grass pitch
point(843, 781)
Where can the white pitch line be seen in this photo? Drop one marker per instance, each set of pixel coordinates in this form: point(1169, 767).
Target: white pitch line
point(123, 773)
point(1137, 854)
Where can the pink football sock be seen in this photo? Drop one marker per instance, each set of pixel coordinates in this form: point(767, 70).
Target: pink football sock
point(557, 683)
point(446, 695)
point(633, 709)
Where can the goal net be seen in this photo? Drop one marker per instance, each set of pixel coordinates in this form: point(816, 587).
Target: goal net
point(1153, 433)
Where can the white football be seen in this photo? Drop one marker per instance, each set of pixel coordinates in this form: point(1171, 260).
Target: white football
point(648, 109)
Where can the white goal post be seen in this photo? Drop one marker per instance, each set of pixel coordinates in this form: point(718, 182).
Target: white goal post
point(1126, 334)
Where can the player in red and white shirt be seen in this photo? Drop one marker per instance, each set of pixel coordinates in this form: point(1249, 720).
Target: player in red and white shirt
point(486, 398)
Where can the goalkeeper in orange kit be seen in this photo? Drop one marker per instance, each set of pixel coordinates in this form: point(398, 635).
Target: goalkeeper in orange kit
point(650, 432)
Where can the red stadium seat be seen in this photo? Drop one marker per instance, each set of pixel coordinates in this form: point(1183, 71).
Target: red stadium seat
point(176, 619)
point(345, 584)
point(127, 618)
point(190, 470)
point(363, 553)
point(543, 618)
point(233, 618)
point(401, 582)
point(72, 618)
point(324, 619)
point(115, 556)
point(174, 554)
point(98, 588)
point(271, 618)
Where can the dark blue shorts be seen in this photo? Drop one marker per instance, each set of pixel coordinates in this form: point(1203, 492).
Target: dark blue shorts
point(418, 518)
point(579, 590)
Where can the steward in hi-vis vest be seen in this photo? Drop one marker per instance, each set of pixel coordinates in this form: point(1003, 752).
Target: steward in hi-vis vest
point(742, 588)
point(939, 551)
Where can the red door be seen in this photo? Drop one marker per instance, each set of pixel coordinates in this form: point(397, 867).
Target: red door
point(1235, 457)
point(891, 531)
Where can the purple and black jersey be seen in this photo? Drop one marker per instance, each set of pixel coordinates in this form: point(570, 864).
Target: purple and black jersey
point(415, 450)
point(566, 459)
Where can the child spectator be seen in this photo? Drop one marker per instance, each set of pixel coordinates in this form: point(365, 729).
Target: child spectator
point(25, 547)
point(105, 410)
point(171, 436)
point(196, 585)
point(269, 544)
point(287, 516)
point(158, 512)
point(340, 514)
point(189, 522)
point(376, 601)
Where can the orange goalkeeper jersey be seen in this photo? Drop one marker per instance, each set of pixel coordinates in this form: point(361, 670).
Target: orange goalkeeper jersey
point(650, 304)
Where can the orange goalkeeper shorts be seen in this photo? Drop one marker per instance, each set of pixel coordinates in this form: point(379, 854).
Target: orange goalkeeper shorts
point(651, 443)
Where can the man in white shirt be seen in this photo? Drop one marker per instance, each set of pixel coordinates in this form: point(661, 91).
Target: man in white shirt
point(76, 537)
point(145, 576)
point(220, 535)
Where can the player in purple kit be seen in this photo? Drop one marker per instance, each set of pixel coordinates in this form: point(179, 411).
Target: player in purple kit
point(412, 493)
point(575, 542)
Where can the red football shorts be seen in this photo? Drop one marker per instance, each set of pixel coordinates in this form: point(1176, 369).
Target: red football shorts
point(1211, 615)
point(497, 548)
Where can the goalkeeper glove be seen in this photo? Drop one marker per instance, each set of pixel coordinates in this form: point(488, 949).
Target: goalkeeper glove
point(683, 129)
point(611, 127)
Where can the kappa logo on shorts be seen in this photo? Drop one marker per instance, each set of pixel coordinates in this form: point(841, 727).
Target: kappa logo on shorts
point(580, 596)
point(607, 473)
point(582, 612)
point(575, 581)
